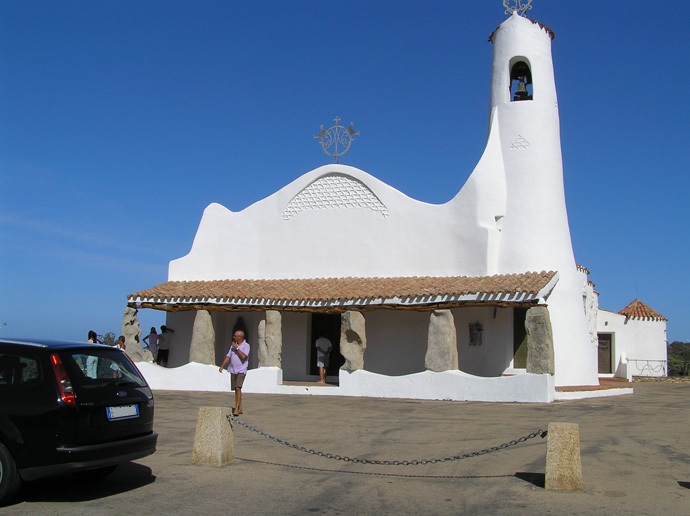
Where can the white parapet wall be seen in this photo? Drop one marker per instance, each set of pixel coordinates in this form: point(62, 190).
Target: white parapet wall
point(428, 385)
point(448, 385)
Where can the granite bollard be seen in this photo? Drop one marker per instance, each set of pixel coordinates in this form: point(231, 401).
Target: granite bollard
point(213, 440)
point(563, 467)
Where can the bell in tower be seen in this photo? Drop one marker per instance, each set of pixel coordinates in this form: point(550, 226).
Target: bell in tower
point(522, 74)
point(521, 93)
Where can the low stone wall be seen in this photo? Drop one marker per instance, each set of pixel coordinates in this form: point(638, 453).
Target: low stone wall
point(662, 379)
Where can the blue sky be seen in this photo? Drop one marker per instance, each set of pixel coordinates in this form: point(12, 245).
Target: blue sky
point(120, 121)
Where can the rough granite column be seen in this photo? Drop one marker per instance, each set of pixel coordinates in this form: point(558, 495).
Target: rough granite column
point(202, 350)
point(271, 339)
point(353, 340)
point(261, 346)
point(540, 356)
point(131, 330)
point(442, 342)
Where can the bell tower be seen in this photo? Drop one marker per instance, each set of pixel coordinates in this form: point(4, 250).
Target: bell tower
point(535, 234)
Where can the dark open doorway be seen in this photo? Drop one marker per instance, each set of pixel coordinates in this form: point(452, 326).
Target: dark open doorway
point(519, 338)
point(605, 348)
point(327, 325)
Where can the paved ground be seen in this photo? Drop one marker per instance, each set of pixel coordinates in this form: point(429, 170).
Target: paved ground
point(635, 459)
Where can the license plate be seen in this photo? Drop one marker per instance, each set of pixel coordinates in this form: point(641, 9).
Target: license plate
point(123, 412)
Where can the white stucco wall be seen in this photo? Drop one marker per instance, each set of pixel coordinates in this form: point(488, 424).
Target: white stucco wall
point(639, 347)
point(495, 354)
point(509, 217)
point(535, 234)
point(590, 300)
point(182, 323)
point(396, 341)
point(296, 352)
point(392, 235)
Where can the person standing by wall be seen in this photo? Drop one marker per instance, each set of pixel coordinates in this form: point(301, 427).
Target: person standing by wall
point(164, 345)
point(151, 341)
point(238, 358)
point(323, 352)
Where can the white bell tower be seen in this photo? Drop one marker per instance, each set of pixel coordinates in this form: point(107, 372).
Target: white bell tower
point(535, 234)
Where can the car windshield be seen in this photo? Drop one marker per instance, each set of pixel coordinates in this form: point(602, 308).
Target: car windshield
point(94, 368)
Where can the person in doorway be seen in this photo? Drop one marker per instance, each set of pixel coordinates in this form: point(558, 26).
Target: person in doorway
point(164, 345)
point(238, 360)
point(151, 341)
point(323, 352)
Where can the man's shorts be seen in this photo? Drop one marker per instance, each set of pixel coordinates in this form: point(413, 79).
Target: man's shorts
point(237, 380)
point(322, 362)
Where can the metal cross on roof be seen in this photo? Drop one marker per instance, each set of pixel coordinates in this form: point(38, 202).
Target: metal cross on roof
point(335, 141)
point(519, 6)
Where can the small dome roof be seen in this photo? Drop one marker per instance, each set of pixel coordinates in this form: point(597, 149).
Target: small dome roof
point(639, 310)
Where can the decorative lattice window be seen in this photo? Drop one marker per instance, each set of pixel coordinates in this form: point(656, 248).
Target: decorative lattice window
point(334, 191)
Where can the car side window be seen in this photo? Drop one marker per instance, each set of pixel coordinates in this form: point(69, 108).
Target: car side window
point(16, 370)
point(104, 366)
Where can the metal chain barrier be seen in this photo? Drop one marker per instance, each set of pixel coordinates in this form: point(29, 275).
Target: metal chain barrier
point(234, 419)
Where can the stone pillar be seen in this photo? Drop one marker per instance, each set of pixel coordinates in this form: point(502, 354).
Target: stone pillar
point(353, 340)
point(271, 340)
point(131, 330)
point(563, 467)
point(202, 350)
point(213, 441)
point(442, 342)
point(261, 346)
point(540, 356)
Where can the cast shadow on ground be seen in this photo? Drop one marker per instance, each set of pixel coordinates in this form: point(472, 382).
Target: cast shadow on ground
point(64, 488)
point(686, 485)
point(538, 479)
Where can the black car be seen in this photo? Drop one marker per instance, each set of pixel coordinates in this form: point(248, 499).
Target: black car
point(69, 407)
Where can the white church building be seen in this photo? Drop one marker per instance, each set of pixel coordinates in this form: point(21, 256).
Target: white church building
point(370, 267)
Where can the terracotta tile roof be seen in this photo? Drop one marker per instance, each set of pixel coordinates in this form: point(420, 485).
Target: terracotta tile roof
point(582, 269)
point(321, 293)
point(639, 310)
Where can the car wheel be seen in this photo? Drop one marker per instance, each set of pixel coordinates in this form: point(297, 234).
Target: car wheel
point(95, 474)
point(9, 478)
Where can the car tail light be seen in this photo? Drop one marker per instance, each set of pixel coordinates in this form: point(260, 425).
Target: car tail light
point(64, 383)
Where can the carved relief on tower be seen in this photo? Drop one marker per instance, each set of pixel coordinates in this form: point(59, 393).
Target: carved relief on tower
point(334, 191)
point(519, 143)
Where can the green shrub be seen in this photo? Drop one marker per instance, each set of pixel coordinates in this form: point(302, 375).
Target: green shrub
point(678, 359)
